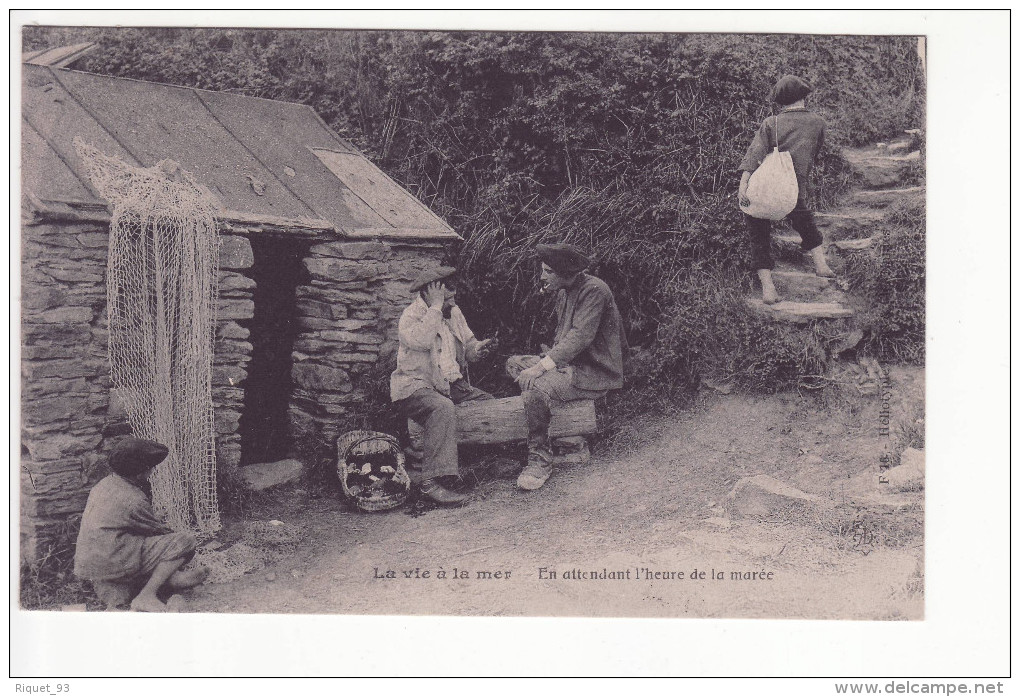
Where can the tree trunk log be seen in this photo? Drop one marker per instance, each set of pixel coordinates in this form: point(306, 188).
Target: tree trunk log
point(502, 420)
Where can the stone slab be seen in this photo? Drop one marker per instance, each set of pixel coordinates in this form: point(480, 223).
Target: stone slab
point(800, 283)
point(235, 309)
point(265, 475)
point(883, 170)
point(800, 312)
point(763, 496)
point(235, 253)
point(854, 245)
point(885, 197)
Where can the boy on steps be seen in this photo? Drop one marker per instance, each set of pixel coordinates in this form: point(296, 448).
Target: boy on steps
point(801, 133)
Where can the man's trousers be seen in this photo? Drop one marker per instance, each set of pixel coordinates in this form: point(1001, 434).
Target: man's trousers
point(436, 413)
point(553, 387)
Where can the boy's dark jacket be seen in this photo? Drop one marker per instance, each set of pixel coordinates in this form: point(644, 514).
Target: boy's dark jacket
point(801, 133)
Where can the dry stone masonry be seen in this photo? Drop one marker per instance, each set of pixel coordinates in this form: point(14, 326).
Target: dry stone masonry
point(348, 314)
point(70, 418)
point(234, 312)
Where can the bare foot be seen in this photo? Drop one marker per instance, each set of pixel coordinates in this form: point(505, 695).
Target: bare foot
point(768, 288)
point(821, 265)
point(189, 578)
point(147, 603)
point(176, 603)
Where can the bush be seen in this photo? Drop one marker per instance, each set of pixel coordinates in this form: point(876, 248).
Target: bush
point(891, 280)
point(711, 332)
point(626, 144)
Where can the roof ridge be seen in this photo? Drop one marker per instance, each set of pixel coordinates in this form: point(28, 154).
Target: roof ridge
point(170, 84)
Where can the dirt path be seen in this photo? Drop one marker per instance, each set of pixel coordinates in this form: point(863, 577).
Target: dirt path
point(855, 552)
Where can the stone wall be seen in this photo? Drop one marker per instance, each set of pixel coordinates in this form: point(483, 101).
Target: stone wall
point(65, 377)
point(69, 422)
point(234, 312)
point(348, 314)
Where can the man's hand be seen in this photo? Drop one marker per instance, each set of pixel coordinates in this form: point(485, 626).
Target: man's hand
point(435, 294)
point(742, 190)
point(528, 377)
point(486, 347)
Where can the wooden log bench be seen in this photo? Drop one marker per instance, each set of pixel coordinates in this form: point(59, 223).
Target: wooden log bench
point(489, 421)
point(493, 421)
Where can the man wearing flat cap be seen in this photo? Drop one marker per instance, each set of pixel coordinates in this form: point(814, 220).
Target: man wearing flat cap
point(436, 345)
point(586, 358)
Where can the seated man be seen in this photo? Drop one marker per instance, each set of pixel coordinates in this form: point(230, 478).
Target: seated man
point(123, 548)
point(435, 347)
point(586, 359)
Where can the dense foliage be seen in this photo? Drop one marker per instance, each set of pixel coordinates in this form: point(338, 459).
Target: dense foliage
point(891, 280)
point(627, 144)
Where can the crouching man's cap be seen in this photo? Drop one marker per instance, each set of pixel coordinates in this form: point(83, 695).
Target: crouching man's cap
point(431, 276)
point(790, 89)
point(564, 259)
point(133, 456)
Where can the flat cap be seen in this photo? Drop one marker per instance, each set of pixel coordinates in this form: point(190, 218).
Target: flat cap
point(564, 259)
point(431, 276)
point(790, 89)
point(133, 456)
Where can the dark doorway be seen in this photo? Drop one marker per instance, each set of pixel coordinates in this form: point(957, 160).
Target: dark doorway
point(277, 273)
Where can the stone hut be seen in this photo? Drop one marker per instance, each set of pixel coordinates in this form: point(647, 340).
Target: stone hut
point(318, 247)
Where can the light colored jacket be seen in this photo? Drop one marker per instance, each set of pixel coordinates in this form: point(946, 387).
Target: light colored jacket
point(420, 347)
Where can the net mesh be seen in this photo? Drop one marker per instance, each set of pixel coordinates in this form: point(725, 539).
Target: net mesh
point(162, 278)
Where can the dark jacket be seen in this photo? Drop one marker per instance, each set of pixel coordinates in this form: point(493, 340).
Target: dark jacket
point(801, 133)
point(589, 334)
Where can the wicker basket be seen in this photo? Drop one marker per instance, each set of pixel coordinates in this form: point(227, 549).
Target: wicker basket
point(370, 466)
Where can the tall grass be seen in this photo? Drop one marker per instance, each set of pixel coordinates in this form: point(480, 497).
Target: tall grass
point(890, 278)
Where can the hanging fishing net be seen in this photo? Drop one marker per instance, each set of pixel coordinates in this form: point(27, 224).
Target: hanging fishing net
point(161, 298)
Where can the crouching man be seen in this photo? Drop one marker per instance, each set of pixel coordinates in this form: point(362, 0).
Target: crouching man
point(436, 345)
point(585, 361)
point(123, 548)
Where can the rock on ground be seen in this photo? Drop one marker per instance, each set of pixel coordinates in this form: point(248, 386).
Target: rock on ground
point(909, 472)
point(266, 475)
point(764, 496)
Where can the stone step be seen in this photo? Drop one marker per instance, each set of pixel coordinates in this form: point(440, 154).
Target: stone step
point(856, 157)
point(849, 222)
point(882, 170)
point(800, 312)
point(898, 147)
point(854, 245)
point(788, 246)
point(881, 198)
point(799, 283)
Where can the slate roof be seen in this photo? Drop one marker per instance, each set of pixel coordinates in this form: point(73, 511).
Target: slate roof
point(262, 158)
